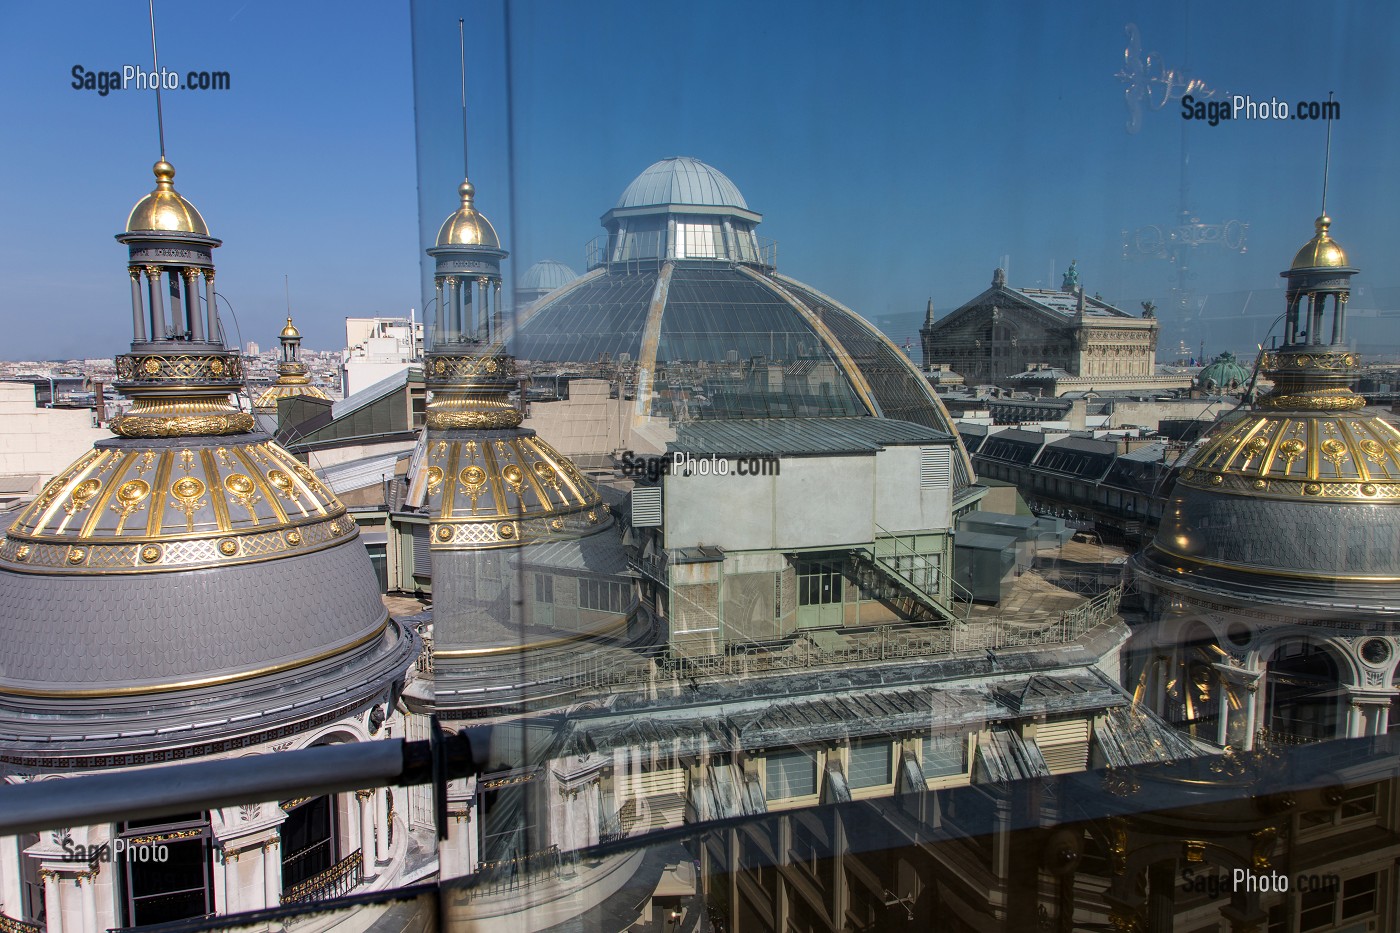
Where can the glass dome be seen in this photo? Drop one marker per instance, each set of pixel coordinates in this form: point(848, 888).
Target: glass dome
point(688, 338)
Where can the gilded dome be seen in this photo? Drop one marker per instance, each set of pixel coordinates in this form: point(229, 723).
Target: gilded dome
point(289, 387)
point(468, 226)
point(153, 565)
point(290, 331)
point(164, 210)
point(1321, 252)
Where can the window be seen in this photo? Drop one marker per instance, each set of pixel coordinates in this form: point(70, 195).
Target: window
point(1318, 910)
point(697, 241)
point(919, 569)
point(603, 595)
point(544, 588)
point(791, 774)
point(1359, 896)
point(945, 754)
point(308, 839)
point(870, 763)
point(179, 888)
point(818, 583)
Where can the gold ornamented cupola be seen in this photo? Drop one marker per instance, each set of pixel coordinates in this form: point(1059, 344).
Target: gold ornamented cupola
point(293, 378)
point(179, 373)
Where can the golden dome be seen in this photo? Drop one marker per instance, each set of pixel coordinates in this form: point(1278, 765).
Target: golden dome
point(1321, 252)
point(290, 331)
point(468, 226)
point(289, 388)
point(492, 491)
point(163, 209)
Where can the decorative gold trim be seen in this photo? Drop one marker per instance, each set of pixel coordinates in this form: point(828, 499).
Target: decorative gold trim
point(481, 419)
point(1257, 571)
point(218, 680)
point(134, 555)
point(182, 426)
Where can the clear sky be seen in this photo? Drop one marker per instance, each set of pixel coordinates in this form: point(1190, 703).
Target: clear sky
point(897, 150)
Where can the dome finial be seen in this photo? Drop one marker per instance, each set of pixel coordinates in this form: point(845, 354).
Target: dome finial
point(165, 174)
point(467, 191)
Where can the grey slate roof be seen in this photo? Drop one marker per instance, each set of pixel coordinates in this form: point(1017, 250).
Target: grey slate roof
point(119, 630)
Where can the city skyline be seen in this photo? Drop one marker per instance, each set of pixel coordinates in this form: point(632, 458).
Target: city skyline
point(883, 148)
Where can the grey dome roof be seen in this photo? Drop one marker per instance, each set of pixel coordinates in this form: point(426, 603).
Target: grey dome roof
point(682, 180)
point(179, 563)
point(547, 275)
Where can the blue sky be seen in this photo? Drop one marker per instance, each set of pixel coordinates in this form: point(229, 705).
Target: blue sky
point(897, 150)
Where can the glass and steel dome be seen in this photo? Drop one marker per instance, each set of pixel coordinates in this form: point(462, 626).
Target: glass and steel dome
point(687, 312)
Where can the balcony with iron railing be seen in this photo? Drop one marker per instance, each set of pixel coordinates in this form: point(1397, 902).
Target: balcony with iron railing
point(337, 881)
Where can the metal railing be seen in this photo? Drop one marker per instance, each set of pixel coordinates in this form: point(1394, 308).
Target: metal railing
point(11, 925)
point(649, 247)
point(889, 642)
point(498, 876)
point(337, 881)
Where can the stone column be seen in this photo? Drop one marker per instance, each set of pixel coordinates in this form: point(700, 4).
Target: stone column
point(192, 300)
point(211, 313)
point(366, 832)
point(454, 314)
point(483, 324)
point(441, 316)
point(53, 901)
point(272, 872)
point(177, 302)
point(138, 310)
point(153, 288)
point(87, 883)
point(464, 325)
point(496, 308)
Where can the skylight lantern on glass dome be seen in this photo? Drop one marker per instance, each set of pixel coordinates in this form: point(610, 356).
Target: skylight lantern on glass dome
point(681, 209)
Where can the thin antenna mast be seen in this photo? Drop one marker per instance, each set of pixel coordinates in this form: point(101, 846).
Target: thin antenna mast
point(287, 286)
point(1327, 159)
point(462, 59)
point(156, 65)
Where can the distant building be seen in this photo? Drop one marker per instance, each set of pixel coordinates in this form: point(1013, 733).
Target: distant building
point(1047, 341)
point(252, 348)
point(377, 348)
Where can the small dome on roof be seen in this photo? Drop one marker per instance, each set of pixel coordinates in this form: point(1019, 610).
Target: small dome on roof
point(1321, 252)
point(682, 180)
point(468, 226)
point(547, 275)
point(290, 331)
point(164, 209)
point(1225, 372)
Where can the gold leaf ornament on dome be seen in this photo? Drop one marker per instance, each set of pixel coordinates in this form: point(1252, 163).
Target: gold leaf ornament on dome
point(130, 495)
point(1373, 450)
point(1334, 451)
point(286, 487)
point(514, 476)
point(150, 553)
point(473, 477)
point(82, 494)
point(435, 475)
point(1291, 450)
